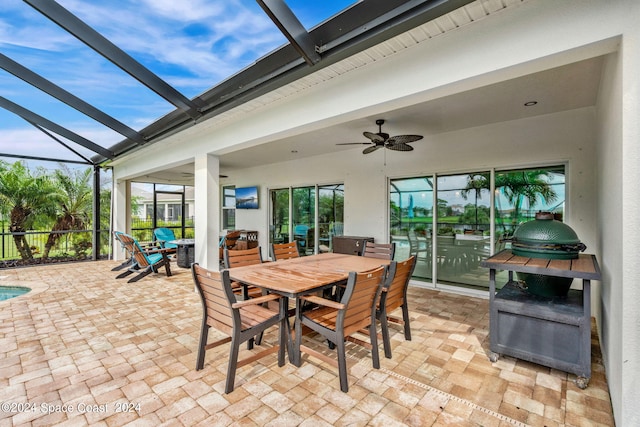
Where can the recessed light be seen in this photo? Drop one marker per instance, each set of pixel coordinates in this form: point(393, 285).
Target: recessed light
point(530, 103)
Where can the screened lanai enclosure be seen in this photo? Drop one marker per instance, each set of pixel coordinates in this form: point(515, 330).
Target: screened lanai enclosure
point(451, 222)
point(80, 87)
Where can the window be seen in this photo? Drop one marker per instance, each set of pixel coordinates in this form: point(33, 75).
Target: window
point(229, 207)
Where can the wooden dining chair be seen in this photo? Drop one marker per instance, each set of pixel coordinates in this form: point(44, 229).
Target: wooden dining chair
point(379, 250)
point(394, 296)
point(280, 251)
point(336, 321)
point(240, 258)
point(241, 321)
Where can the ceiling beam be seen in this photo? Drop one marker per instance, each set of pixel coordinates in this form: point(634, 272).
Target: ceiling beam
point(117, 56)
point(68, 98)
point(293, 30)
point(52, 136)
point(34, 118)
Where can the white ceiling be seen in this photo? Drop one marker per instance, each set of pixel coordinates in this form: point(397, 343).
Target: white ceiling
point(564, 88)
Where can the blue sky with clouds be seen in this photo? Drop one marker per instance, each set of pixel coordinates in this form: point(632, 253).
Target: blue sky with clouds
point(191, 44)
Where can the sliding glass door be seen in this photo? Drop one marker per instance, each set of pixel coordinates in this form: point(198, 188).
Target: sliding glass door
point(463, 228)
point(298, 212)
point(411, 216)
point(475, 214)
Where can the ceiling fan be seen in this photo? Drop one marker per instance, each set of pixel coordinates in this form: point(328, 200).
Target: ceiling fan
point(381, 139)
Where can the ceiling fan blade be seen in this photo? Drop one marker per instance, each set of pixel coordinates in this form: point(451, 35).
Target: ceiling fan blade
point(403, 139)
point(399, 147)
point(371, 149)
point(353, 143)
point(374, 136)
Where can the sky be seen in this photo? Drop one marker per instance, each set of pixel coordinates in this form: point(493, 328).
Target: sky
point(191, 44)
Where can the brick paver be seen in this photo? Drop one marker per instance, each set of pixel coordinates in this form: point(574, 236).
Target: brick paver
point(86, 349)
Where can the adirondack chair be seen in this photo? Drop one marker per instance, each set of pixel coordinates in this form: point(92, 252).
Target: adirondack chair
point(144, 261)
point(129, 261)
point(164, 235)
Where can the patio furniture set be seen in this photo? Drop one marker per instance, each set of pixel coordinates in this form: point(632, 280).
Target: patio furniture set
point(336, 295)
point(370, 288)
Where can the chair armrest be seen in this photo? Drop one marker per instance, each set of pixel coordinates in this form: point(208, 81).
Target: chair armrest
point(159, 251)
point(323, 301)
point(256, 301)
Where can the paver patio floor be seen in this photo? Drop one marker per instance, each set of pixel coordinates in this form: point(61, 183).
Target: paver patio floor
point(93, 350)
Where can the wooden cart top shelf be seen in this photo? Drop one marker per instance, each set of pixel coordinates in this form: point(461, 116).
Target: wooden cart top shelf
point(584, 267)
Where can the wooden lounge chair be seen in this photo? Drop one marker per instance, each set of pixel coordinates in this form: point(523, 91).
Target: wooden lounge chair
point(240, 320)
point(129, 262)
point(280, 251)
point(144, 261)
point(394, 296)
point(336, 321)
point(379, 250)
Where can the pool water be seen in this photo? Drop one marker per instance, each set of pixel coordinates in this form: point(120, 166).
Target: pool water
point(7, 292)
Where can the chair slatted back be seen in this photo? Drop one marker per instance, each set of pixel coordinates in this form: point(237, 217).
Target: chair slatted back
point(216, 298)
point(397, 283)
point(240, 258)
point(360, 297)
point(379, 250)
point(164, 235)
point(135, 250)
point(280, 251)
point(231, 239)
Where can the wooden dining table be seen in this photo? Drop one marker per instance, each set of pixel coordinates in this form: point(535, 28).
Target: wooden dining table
point(293, 277)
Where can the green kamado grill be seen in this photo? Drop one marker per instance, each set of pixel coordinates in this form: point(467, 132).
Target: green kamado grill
point(549, 239)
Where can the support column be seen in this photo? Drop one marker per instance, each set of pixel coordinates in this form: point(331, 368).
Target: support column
point(207, 210)
point(95, 238)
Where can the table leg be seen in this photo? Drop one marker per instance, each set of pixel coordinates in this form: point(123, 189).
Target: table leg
point(298, 331)
point(284, 309)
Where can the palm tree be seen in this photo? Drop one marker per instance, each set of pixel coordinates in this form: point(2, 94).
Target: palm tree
point(527, 184)
point(75, 203)
point(477, 183)
point(24, 195)
point(517, 186)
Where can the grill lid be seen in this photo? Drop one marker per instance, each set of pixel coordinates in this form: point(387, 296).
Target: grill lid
point(546, 238)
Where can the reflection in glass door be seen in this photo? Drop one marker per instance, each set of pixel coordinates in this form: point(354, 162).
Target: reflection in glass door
point(463, 228)
point(411, 216)
point(303, 216)
point(330, 215)
point(279, 228)
point(462, 237)
point(309, 208)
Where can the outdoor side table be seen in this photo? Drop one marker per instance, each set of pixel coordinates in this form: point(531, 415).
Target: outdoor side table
point(554, 332)
point(185, 249)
